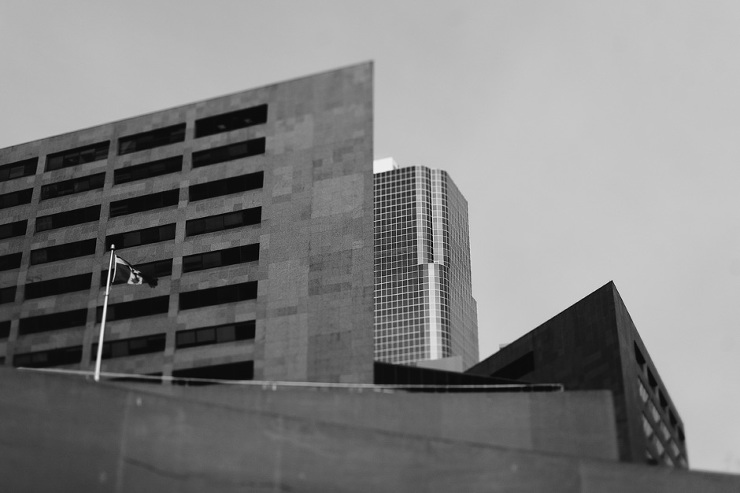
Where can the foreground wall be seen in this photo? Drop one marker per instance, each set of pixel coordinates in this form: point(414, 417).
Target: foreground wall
point(68, 434)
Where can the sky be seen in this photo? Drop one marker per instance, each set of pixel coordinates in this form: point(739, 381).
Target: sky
point(593, 140)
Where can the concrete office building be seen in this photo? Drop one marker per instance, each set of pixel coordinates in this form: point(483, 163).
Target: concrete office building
point(424, 307)
point(253, 209)
point(594, 345)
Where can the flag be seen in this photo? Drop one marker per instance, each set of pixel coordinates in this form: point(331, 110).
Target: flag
point(125, 273)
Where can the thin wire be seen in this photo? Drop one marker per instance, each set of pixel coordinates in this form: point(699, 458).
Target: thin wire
point(317, 385)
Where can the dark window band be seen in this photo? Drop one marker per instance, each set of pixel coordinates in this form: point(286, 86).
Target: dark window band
point(130, 347)
point(148, 170)
point(10, 230)
point(227, 186)
point(53, 357)
point(68, 218)
point(79, 155)
point(221, 222)
point(144, 203)
point(7, 295)
point(63, 252)
point(60, 285)
point(18, 169)
point(217, 296)
point(218, 334)
point(220, 258)
point(54, 321)
point(4, 329)
point(69, 187)
point(10, 261)
point(229, 152)
point(231, 121)
point(151, 139)
point(141, 236)
point(136, 308)
point(13, 199)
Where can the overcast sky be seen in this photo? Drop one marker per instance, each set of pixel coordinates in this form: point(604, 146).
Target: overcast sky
point(594, 141)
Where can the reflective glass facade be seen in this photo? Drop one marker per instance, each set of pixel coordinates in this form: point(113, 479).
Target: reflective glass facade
point(424, 308)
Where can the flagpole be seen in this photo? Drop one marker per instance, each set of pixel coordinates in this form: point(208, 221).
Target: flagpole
point(105, 312)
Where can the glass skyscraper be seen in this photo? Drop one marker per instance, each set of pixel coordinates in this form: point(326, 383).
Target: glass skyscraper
point(424, 308)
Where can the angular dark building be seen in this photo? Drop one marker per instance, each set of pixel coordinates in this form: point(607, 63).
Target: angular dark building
point(254, 210)
point(594, 345)
point(424, 306)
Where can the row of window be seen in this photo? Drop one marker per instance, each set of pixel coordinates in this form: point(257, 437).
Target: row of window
point(139, 308)
point(138, 204)
point(18, 169)
point(158, 269)
point(202, 336)
point(129, 239)
point(13, 199)
point(145, 140)
point(653, 383)
point(218, 334)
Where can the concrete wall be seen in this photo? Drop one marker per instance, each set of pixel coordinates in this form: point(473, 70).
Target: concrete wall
point(66, 434)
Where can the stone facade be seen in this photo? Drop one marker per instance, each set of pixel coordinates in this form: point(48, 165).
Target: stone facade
point(314, 307)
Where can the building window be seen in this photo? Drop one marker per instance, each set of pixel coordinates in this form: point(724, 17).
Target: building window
point(141, 236)
point(63, 252)
point(643, 391)
point(653, 411)
point(69, 187)
point(674, 448)
point(60, 285)
point(13, 199)
point(218, 334)
point(137, 308)
point(657, 445)
point(151, 139)
point(7, 295)
point(662, 399)
point(229, 152)
point(672, 418)
point(229, 371)
point(144, 203)
point(19, 169)
point(53, 357)
point(638, 355)
point(221, 222)
point(664, 431)
point(647, 428)
point(148, 170)
point(10, 230)
point(130, 347)
point(231, 121)
point(68, 218)
point(158, 269)
point(218, 296)
point(651, 379)
point(10, 261)
point(227, 186)
point(5, 329)
point(80, 155)
point(54, 321)
point(221, 258)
